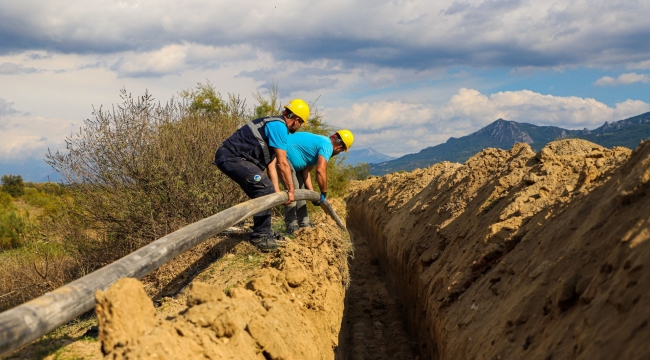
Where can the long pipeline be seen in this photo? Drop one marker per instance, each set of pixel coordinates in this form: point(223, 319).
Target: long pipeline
point(33, 319)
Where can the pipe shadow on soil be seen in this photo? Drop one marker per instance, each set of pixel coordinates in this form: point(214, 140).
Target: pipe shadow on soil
point(216, 252)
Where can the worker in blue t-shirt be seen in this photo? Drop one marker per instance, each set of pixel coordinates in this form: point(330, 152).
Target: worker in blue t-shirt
point(305, 152)
point(248, 152)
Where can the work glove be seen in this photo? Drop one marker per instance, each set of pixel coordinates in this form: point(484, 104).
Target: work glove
point(323, 195)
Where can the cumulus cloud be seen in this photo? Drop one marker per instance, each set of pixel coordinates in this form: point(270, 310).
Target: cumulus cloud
point(624, 79)
point(6, 108)
point(176, 58)
point(29, 137)
point(397, 128)
point(642, 65)
point(414, 34)
point(8, 68)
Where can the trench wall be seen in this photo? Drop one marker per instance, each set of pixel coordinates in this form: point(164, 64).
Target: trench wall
point(517, 254)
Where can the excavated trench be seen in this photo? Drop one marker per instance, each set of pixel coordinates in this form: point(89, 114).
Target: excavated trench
point(512, 255)
point(373, 325)
point(517, 254)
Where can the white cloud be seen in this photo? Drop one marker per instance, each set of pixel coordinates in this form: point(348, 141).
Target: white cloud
point(397, 128)
point(177, 58)
point(642, 65)
point(624, 79)
point(6, 109)
point(402, 74)
point(8, 68)
point(26, 137)
point(414, 33)
point(380, 115)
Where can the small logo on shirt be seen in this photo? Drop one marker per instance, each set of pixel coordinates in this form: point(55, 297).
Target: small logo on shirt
point(257, 178)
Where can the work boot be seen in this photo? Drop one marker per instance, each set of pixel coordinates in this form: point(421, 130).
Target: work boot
point(308, 225)
point(291, 228)
point(280, 238)
point(265, 243)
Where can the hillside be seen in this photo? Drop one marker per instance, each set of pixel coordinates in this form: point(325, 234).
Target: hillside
point(502, 134)
point(368, 156)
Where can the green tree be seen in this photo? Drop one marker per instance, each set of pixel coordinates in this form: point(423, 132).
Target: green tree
point(271, 105)
point(267, 106)
point(13, 185)
point(204, 99)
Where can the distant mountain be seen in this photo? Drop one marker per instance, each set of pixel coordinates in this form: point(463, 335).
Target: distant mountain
point(31, 170)
point(369, 156)
point(626, 132)
point(503, 134)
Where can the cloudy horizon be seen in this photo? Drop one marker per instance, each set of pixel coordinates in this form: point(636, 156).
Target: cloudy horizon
point(403, 75)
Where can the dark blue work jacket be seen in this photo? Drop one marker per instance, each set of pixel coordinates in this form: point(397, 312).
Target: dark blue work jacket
point(250, 142)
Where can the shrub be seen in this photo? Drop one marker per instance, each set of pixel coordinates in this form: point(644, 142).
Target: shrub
point(144, 169)
point(6, 201)
point(13, 185)
point(340, 174)
point(15, 230)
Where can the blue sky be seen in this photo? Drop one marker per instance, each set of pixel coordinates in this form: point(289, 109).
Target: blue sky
point(402, 75)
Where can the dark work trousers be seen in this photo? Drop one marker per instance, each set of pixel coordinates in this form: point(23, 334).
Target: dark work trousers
point(252, 180)
point(295, 214)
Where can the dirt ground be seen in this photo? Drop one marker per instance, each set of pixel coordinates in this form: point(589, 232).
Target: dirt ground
point(289, 305)
point(517, 254)
point(373, 326)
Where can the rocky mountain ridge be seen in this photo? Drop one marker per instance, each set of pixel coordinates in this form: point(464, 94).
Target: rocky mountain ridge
point(502, 134)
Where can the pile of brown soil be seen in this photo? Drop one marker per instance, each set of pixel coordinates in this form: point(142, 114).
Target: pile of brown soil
point(291, 309)
point(517, 254)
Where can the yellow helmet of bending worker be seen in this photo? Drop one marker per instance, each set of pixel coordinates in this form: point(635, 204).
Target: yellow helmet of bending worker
point(300, 108)
point(347, 138)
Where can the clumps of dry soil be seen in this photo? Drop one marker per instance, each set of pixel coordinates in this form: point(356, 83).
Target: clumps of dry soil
point(291, 309)
point(517, 254)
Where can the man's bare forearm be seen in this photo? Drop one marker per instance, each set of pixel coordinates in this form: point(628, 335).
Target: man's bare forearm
point(285, 173)
point(273, 174)
point(321, 173)
point(321, 179)
point(306, 178)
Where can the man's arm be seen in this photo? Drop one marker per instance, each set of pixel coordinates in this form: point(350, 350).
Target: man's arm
point(321, 173)
point(273, 174)
point(306, 177)
point(285, 173)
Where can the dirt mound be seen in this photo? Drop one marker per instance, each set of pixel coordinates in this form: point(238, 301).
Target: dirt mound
point(517, 254)
point(292, 309)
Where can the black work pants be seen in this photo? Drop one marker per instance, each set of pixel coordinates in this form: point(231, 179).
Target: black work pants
point(295, 214)
point(252, 180)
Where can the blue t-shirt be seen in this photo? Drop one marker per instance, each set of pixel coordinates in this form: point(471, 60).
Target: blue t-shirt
point(277, 133)
point(303, 149)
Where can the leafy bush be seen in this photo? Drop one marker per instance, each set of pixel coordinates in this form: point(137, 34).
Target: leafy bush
point(13, 185)
point(144, 169)
point(6, 201)
point(15, 229)
point(339, 175)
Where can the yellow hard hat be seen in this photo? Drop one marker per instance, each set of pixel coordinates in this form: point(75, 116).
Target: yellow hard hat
point(347, 138)
point(300, 108)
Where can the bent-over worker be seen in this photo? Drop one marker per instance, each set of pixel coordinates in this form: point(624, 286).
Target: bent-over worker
point(248, 152)
point(305, 152)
